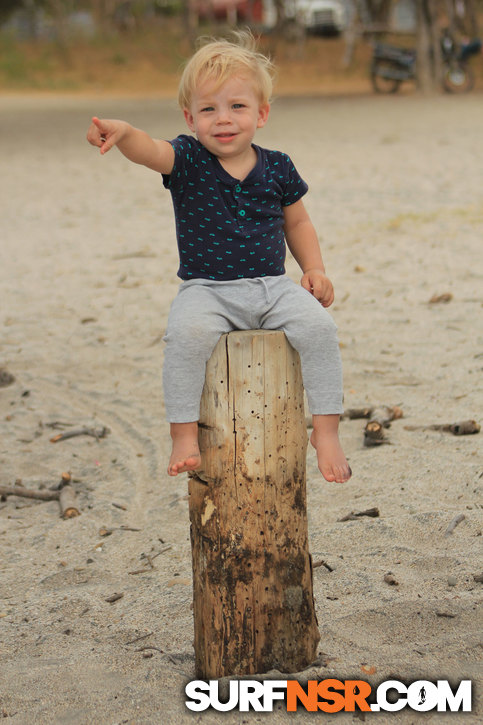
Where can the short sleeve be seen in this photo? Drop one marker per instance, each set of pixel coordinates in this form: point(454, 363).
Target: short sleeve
point(186, 150)
point(294, 187)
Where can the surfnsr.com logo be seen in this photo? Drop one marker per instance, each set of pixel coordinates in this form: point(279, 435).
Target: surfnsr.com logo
point(330, 696)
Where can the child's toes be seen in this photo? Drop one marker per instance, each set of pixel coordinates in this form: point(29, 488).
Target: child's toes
point(329, 474)
point(344, 474)
point(337, 474)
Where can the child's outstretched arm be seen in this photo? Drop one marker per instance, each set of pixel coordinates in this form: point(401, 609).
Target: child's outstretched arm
point(135, 144)
point(303, 243)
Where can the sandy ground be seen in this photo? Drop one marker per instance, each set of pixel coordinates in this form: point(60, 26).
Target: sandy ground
point(88, 262)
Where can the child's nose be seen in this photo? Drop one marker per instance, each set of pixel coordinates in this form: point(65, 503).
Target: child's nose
point(223, 115)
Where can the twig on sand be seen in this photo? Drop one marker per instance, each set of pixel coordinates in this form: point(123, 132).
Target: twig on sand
point(321, 562)
point(114, 597)
point(357, 413)
point(63, 493)
point(138, 639)
point(96, 433)
point(379, 419)
point(67, 503)
point(149, 559)
point(454, 523)
point(28, 493)
point(463, 428)
point(158, 649)
point(353, 516)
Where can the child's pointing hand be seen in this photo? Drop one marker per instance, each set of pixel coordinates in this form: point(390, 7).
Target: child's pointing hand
point(105, 133)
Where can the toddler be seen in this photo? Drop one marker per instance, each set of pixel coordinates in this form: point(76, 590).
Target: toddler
point(236, 207)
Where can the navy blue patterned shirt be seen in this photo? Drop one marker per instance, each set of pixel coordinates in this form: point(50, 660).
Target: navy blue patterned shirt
point(228, 229)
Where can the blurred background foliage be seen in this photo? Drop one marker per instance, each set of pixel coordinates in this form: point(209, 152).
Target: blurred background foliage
point(138, 46)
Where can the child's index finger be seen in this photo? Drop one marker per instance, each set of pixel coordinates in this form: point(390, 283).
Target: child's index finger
point(97, 122)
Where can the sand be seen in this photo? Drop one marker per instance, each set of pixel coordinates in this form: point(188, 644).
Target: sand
point(88, 270)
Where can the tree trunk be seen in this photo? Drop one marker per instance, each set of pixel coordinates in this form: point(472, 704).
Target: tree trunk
point(425, 67)
point(252, 572)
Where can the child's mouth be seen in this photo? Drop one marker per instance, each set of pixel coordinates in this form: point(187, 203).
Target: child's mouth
point(224, 137)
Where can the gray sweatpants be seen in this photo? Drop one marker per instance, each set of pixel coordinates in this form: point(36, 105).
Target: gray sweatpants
point(203, 310)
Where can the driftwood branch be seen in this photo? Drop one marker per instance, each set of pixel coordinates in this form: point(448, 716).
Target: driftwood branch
point(96, 433)
point(454, 523)
point(463, 428)
point(63, 493)
point(379, 419)
point(316, 564)
point(353, 516)
point(67, 503)
point(28, 493)
point(357, 413)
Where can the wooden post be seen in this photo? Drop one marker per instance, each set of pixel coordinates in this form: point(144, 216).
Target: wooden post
point(252, 571)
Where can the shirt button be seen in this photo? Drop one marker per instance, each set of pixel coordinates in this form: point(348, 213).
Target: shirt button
point(242, 212)
point(238, 187)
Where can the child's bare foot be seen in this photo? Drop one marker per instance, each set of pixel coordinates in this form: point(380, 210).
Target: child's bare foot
point(330, 456)
point(185, 455)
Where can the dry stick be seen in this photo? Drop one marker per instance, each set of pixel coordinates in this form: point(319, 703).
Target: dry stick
point(67, 503)
point(158, 649)
point(457, 520)
point(114, 597)
point(138, 639)
point(166, 548)
point(149, 559)
point(380, 418)
point(316, 564)
point(464, 427)
point(357, 413)
point(94, 432)
point(353, 516)
point(65, 496)
point(140, 571)
point(65, 479)
point(28, 493)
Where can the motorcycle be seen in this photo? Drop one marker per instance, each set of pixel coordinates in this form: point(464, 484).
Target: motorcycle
point(391, 65)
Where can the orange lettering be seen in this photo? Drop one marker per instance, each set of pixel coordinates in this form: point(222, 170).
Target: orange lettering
point(332, 701)
point(295, 692)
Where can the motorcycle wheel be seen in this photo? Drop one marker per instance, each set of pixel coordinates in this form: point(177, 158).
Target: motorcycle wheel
point(381, 84)
point(458, 78)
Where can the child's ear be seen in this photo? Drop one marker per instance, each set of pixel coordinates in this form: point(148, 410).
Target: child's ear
point(188, 116)
point(263, 112)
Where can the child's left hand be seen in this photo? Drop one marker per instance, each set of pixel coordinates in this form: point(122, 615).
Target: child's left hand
point(319, 285)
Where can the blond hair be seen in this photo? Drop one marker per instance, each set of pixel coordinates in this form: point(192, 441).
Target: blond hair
point(217, 60)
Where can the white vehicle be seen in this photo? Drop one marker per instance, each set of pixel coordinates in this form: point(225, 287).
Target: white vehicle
point(316, 16)
point(321, 16)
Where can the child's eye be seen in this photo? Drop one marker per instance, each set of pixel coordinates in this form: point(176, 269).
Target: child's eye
point(238, 105)
point(207, 109)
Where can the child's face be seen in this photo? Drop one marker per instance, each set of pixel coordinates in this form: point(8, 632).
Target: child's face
point(225, 119)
